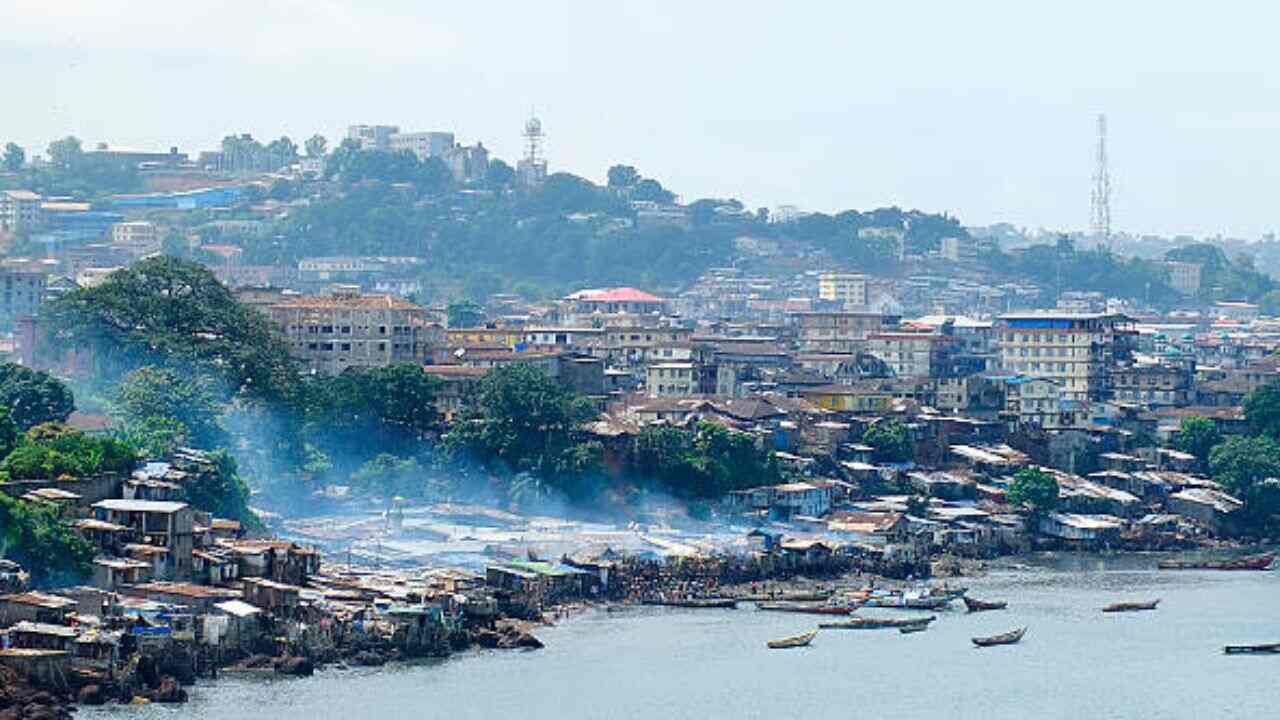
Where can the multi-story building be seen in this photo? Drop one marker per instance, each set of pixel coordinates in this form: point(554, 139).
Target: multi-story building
point(19, 210)
point(847, 288)
point(423, 144)
point(23, 290)
point(841, 331)
point(914, 354)
point(1037, 402)
point(330, 333)
point(1155, 384)
point(1184, 276)
point(166, 525)
point(1076, 349)
point(372, 137)
point(611, 301)
point(138, 237)
point(467, 163)
point(672, 379)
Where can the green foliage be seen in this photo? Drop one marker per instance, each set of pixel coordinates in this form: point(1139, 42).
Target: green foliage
point(222, 493)
point(164, 311)
point(150, 394)
point(464, 314)
point(390, 476)
point(918, 506)
point(524, 421)
point(1197, 436)
point(705, 463)
point(499, 174)
point(156, 437)
point(52, 451)
point(1242, 462)
point(363, 409)
point(1097, 269)
point(623, 176)
point(1262, 410)
point(32, 535)
point(14, 157)
point(1035, 489)
point(1220, 278)
point(33, 397)
point(316, 146)
point(1270, 303)
point(9, 434)
point(889, 438)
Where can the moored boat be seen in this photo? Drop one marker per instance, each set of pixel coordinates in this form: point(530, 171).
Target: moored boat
point(862, 623)
point(1131, 606)
point(926, 603)
point(1249, 562)
point(695, 603)
point(976, 605)
point(803, 608)
point(816, 596)
point(1008, 638)
point(794, 641)
point(1265, 649)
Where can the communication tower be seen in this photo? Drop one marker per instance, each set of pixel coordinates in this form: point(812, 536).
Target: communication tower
point(532, 168)
point(1101, 196)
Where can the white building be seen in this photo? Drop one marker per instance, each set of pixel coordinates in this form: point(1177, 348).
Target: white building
point(372, 137)
point(19, 210)
point(423, 144)
point(138, 237)
point(847, 288)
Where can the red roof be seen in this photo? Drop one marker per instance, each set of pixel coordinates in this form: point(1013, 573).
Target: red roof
point(624, 294)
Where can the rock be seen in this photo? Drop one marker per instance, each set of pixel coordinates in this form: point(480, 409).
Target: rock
point(91, 695)
point(295, 666)
point(528, 641)
point(487, 639)
point(368, 658)
point(168, 692)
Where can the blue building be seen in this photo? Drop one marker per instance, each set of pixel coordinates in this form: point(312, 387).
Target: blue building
point(186, 200)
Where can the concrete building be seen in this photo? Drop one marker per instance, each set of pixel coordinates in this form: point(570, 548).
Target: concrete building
point(372, 137)
point(1184, 276)
point(467, 163)
point(838, 331)
point(163, 525)
point(423, 144)
point(24, 291)
point(19, 210)
point(913, 354)
point(137, 237)
point(671, 379)
point(1075, 349)
point(330, 333)
point(847, 288)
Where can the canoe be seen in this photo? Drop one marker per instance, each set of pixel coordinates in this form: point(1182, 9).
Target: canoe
point(918, 627)
point(926, 603)
point(862, 623)
point(787, 597)
point(1008, 638)
point(793, 642)
point(976, 605)
point(948, 593)
point(695, 603)
point(1131, 606)
point(809, 609)
point(1267, 649)
point(1249, 562)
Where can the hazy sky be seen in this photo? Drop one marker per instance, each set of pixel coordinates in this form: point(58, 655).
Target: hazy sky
point(982, 109)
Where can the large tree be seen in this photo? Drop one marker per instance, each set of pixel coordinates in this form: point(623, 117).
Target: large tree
point(165, 311)
point(1197, 436)
point(1034, 489)
point(1262, 410)
point(34, 536)
point(150, 395)
point(889, 440)
point(364, 410)
point(33, 397)
point(14, 157)
point(316, 145)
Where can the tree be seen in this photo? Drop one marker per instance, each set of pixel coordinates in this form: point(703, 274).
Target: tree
point(365, 408)
point(66, 153)
point(281, 152)
point(316, 145)
point(389, 476)
point(1262, 410)
point(1035, 489)
point(151, 393)
point(34, 536)
point(173, 313)
point(156, 437)
point(221, 492)
point(52, 450)
point(499, 174)
point(623, 176)
point(890, 441)
point(704, 463)
point(1242, 462)
point(652, 190)
point(9, 433)
point(1197, 436)
point(14, 157)
point(464, 313)
point(33, 397)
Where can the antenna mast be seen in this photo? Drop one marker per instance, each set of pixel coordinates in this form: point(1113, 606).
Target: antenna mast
point(1101, 196)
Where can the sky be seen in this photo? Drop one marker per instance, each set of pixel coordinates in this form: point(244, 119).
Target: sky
point(985, 110)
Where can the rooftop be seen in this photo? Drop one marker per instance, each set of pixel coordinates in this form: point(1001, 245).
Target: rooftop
point(140, 506)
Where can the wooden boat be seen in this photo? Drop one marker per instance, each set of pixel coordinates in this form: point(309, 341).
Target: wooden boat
point(861, 623)
point(817, 596)
point(926, 603)
point(793, 642)
point(802, 608)
point(948, 593)
point(695, 603)
point(1131, 606)
point(1008, 638)
point(975, 605)
point(1267, 649)
point(918, 627)
point(1249, 562)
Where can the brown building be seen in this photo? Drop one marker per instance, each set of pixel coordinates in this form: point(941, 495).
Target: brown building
point(330, 333)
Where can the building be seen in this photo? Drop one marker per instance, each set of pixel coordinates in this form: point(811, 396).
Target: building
point(372, 137)
point(914, 354)
point(24, 292)
point(1075, 349)
point(840, 331)
point(846, 288)
point(863, 398)
point(137, 237)
point(162, 525)
point(330, 333)
point(467, 163)
point(1036, 402)
point(1155, 384)
point(423, 144)
point(19, 210)
point(1184, 276)
point(672, 379)
point(1238, 311)
point(613, 301)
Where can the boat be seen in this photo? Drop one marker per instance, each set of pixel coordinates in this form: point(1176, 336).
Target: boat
point(695, 603)
point(918, 627)
point(794, 641)
point(816, 596)
point(803, 608)
point(1131, 606)
point(862, 623)
point(926, 603)
point(948, 592)
point(1248, 562)
point(1008, 638)
point(1266, 649)
point(975, 605)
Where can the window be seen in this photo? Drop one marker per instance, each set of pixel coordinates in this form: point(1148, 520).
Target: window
point(382, 329)
point(346, 347)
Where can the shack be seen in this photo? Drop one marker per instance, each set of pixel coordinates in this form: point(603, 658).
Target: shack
point(34, 607)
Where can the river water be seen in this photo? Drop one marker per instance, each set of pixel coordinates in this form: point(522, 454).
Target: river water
point(1075, 662)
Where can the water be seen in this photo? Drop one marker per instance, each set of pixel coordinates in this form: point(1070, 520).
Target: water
point(660, 663)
